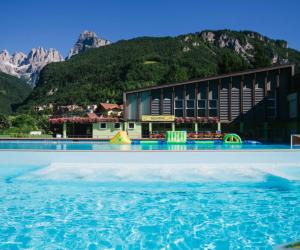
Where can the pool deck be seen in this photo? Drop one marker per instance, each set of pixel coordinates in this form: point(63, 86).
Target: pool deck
point(158, 159)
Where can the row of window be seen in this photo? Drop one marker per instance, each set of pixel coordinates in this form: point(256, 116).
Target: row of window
point(210, 108)
point(190, 104)
point(200, 113)
point(201, 110)
point(117, 125)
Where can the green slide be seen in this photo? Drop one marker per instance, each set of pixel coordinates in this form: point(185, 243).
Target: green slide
point(176, 136)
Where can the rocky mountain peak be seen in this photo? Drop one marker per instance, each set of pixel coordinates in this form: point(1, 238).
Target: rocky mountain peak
point(4, 56)
point(86, 40)
point(44, 56)
point(17, 58)
point(28, 66)
point(208, 36)
point(87, 34)
point(243, 43)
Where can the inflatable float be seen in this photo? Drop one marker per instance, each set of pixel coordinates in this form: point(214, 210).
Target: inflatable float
point(232, 139)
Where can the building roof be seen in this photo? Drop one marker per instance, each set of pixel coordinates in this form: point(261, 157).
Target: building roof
point(245, 72)
point(92, 115)
point(111, 106)
point(90, 118)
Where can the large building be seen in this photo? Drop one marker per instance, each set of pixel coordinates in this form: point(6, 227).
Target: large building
point(262, 104)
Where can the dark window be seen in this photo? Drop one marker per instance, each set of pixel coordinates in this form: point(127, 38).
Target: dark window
point(213, 99)
point(131, 125)
point(117, 125)
point(103, 125)
point(202, 91)
point(213, 108)
point(190, 104)
point(167, 93)
point(202, 108)
point(179, 112)
point(190, 91)
point(213, 104)
point(202, 104)
point(179, 104)
point(201, 112)
point(179, 108)
point(190, 112)
point(179, 92)
point(213, 112)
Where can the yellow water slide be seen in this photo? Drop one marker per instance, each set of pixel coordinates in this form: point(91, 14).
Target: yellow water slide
point(120, 138)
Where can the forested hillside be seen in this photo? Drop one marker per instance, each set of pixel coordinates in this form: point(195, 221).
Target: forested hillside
point(12, 91)
point(103, 73)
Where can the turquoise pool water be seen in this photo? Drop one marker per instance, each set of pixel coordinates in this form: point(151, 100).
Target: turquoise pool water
point(149, 200)
point(69, 145)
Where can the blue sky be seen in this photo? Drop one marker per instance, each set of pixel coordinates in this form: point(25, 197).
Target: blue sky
point(57, 23)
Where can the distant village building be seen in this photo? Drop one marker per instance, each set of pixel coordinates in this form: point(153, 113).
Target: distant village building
point(68, 108)
point(110, 110)
point(41, 108)
point(91, 108)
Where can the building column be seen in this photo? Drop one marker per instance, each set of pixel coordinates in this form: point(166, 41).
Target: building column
point(196, 127)
point(184, 101)
point(173, 102)
point(266, 131)
point(219, 126)
point(125, 127)
point(64, 130)
point(229, 100)
point(150, 127)
point(173, 126)
point(161, 102)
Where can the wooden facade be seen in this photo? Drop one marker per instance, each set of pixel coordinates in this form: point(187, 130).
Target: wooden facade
point(245, 96)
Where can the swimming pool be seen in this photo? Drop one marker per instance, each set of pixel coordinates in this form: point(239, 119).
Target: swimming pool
point(149, 200)
point(105, 146)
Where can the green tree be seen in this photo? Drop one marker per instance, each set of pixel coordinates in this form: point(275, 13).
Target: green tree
point(24, 122)
point(176, 74)
point(261, 58)
point(42, 123)
point(4, 122)
point(231, 62)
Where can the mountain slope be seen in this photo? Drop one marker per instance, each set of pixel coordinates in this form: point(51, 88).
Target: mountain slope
point(12, 91)
point(104, 73)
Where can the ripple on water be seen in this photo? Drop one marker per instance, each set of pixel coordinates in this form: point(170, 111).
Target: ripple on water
point(87, 216)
